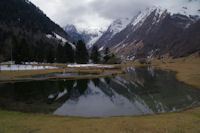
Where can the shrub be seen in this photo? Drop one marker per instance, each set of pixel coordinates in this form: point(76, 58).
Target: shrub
point(143, 61)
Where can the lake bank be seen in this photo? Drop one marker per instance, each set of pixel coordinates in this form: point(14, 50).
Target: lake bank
point(12, 76)
point(187, 68)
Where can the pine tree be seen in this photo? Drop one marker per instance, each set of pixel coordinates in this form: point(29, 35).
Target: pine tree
point(16, 50)
point(106, 54)
point(25, 50)
point(21, 50)
point(81, 53)
point(50, 55)
point(95, 55)
point(69, 53)
point(59, 53)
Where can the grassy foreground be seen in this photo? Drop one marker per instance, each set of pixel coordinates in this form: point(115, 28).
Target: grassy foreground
point(180, 122)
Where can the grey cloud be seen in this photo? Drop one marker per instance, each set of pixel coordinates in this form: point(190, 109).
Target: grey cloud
point(119, 8)
point(100, 13)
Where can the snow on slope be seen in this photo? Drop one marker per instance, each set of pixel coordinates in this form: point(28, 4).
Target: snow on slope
point(27, 1)
point(24, 67)
point(63, 40)
point(94, 39)
point(88, 34)
point(186, 7)
point(142, 16)
point(93, 33)
point(182, 9)
point(118, 25)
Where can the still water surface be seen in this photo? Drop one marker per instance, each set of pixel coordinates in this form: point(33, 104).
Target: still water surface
point(140, 91)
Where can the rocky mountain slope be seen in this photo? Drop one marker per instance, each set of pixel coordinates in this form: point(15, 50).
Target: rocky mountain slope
point(154, 31)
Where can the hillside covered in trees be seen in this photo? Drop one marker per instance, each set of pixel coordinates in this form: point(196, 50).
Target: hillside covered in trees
point(24, 31)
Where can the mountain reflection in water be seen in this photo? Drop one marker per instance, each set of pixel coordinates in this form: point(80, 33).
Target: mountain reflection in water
point(142, 90)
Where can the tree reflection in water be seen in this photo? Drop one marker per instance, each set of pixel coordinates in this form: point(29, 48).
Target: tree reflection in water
point(139, 91)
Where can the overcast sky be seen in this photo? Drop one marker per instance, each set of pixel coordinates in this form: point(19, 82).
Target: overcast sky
point(100, 13)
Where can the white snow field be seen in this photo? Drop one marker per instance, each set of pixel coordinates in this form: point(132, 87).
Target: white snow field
point(90, 65)
point(24, 67)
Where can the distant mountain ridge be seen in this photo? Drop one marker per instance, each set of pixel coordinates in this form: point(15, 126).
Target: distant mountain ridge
point(72, 31)
point(87, 35)
point(154, 30)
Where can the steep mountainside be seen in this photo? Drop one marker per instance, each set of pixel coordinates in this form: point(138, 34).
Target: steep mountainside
point(20, 19)
point(87, 35)
point(115, 28)
point(72, 31)
point(155, 31)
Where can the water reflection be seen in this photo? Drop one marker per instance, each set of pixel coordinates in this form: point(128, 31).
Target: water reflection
point(139, 91)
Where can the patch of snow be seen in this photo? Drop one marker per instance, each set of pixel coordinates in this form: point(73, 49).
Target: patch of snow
point(132, 58)
point(60, 38)
point(90, 65)
point(63, 40)
point(31, 63)
point(101, 48)
point(24, 67)
point(27, 1)
point(49, 36)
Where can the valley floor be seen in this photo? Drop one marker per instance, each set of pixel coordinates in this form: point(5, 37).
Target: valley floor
point(188, 121)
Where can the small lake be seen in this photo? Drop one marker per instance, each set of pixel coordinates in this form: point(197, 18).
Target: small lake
point(142, 90)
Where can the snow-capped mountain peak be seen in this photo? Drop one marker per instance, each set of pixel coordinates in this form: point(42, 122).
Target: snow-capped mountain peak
point(70, 27)
point(142, 16)
point(159, 14)
point(130, 34)
point(118, 25)
point(187, 8)
point(88, 35)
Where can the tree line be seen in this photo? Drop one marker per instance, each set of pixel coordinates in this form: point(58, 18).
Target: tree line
point(22, 51)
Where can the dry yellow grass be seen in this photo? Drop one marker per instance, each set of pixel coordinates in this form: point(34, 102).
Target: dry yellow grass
point(6, 76)
point(180, 122)
point(11, 75)
point(187, 68)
